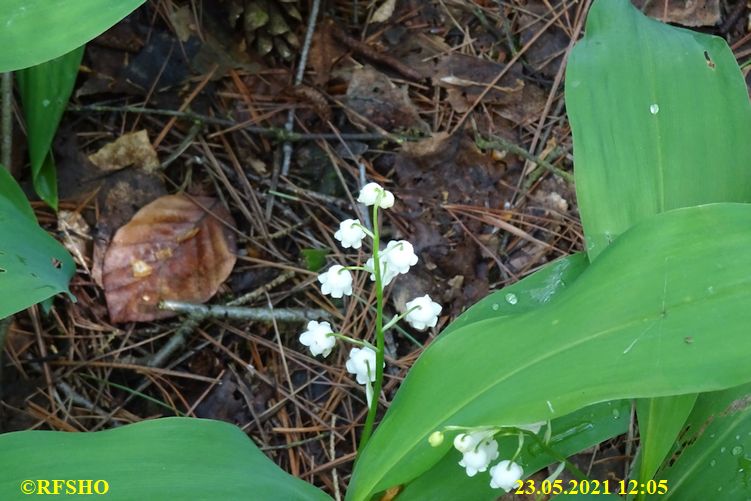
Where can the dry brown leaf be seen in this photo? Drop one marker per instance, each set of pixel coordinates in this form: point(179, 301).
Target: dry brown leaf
point(324, 52)
point(172, 249)
point(687, 13)
point(374, 96)
point(130, 149)
point(468, 76)
point(76, 234)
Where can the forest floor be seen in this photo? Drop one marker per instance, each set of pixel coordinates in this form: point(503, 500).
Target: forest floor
point(456, 106)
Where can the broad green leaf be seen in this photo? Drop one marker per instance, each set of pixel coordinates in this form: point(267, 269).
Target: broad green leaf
point(33, 265)
point(713, 455)
point(172, 458)
point(660, 422)
point(529, 293)
point(13, 195)
point(35, 31)
point(644, 143)
point(45, 90)
point(641, 321)
point(586, 426)
point(660, 119)
point(571, 434)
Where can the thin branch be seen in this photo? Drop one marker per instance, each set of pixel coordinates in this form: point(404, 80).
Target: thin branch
point(502, 144)
point(276, 133)
point(238, 313)
point(312, 18)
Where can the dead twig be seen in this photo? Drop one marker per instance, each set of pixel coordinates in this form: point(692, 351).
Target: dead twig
point(276, 133)
point(499, 143)
point(238, 313)
point(368, 52)
point(312, 18)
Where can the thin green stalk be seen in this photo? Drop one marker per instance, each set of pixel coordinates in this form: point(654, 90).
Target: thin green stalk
point(380, 342)
point(356, 342)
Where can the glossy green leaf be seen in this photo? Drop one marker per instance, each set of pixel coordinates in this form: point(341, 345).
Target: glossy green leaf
point(173, 458)
point(639, 322)
point(713, 455)
point(660, 119)
point(644, 143)
point(660, 422)
point(45, 90)
point(571, 434)
point(35, 31)
point(33, 265)
point(11, 194)
point(530, 293)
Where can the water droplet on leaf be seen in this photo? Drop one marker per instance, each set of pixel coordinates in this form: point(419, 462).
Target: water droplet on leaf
point(511, 298)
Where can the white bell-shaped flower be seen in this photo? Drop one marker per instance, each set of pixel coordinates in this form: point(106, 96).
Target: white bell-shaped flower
point(350, 233)
point(400, 255)
point(465, 442)
point(362, 363)
point(370, 194)
point(337, 281)
point(505, 475)
point(387, 272)
point(424, 312)
point(369, 392)
point(478, 459)
point(317, 338)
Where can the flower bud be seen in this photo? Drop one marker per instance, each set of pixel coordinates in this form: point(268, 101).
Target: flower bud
point(435, 439)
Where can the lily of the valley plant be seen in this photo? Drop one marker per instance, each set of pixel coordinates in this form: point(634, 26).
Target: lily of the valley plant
point(366, 360)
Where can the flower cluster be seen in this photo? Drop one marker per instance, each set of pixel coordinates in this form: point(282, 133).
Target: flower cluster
point(479, 449)
point(395, 259)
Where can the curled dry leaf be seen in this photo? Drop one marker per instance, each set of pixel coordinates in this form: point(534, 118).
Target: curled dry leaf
point(172, 249)
point(384, 12)
point(130, 149)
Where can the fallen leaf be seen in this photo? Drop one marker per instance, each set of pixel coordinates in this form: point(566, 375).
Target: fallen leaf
point(76, 234)
point(448, 170)
point(372, 95)
point(384, 12)
point(324, 52)
point(132, 149)
point(686, 13)
point(182, 22)
point(545, 54)
point(466, 78)
point(172, 249)
point(471, 75)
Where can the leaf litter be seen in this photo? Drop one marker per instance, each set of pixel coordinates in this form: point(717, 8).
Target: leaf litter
point(191, 76)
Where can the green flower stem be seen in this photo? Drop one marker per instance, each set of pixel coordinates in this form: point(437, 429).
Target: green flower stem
point(365, 230)
point(576, 472)
point(394, 320)
point(380, 343)
point(358, 342)
point(355, 268)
